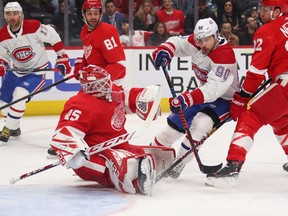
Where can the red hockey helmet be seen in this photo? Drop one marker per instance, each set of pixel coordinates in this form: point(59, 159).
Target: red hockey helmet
point(95, 80)
point(92, 4)
point(283, 4)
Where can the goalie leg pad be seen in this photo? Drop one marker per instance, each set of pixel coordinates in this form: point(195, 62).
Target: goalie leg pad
point(163, 157)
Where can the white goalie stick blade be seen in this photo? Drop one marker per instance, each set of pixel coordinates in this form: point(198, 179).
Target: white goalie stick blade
point(130, 135)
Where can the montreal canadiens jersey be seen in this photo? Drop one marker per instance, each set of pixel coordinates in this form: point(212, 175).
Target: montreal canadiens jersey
point(102, 47)
point(98, 119)
point(26, 49)
point(217, 71)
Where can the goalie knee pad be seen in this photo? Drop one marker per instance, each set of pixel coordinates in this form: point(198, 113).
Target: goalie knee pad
point(145, 100)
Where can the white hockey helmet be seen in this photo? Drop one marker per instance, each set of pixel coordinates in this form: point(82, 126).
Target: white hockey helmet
point(205, 28)
point(13, 6)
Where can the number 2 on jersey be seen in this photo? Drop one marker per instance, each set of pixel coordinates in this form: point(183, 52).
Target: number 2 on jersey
point(72, 115)
point(110, 43)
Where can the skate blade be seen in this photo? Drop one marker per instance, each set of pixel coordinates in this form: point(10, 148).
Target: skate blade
point(225, 182)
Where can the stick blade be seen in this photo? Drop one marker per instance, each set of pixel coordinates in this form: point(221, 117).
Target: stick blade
point(210, 169)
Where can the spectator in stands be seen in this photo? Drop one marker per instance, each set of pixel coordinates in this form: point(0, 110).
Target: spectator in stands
point(203, 12)
point(112, 17)
point(139, 37)
point(246, 36)
point(145, 18)
point(58, 22)
point(229, 12)
point(160, 35)
point(184, 5)
point(173, 18)
point(226, 32)
point(157, 4)
point(253, 12)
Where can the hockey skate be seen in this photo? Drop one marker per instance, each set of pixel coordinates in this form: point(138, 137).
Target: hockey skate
point(6, 133)
point(176, 171)
point(146, 176)
point(226, 176)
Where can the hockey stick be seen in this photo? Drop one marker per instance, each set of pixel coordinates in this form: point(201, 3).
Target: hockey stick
point(13, 180)
point(30, 70)
point(37, 92)
point(164, 174)
point(204, 168)
point(104, 145)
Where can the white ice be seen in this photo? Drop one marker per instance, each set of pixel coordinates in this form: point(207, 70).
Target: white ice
point(262, 189)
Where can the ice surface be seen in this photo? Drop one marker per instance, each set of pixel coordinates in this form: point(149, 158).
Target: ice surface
point(262, 188)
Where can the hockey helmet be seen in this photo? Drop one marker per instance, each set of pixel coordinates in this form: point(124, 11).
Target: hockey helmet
point(92, 4)
point(205, 28)
point(95, 80)
point(283, 4)
point(13, 6)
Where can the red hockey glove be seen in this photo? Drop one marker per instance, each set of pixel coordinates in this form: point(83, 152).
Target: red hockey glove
point(164, 53)
point(62, 62)
point(80, 63)
point(238, 105)
point(183, 101)
point(2, 70)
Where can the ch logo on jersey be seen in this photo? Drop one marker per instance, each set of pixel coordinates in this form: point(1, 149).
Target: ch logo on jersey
point(23, 54)
point(118, 119)
point(87, 51)
point(201, 74)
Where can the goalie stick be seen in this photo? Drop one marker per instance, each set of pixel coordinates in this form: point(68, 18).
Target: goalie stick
point(164, 174)
point(203, 168)
point(104, 145)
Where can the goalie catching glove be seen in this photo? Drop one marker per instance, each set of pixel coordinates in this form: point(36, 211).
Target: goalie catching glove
point(70, 149)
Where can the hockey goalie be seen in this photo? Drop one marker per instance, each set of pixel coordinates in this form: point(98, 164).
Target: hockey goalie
point(97, 114)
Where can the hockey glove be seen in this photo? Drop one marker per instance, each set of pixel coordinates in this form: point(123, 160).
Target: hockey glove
point(62, 62)
point(80, 63)
point(164, 53)
point(238, 105)
point(183, 101)
point(3, 67)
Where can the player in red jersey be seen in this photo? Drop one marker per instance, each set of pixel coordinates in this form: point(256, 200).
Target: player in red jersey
point(215, 66)
point(22, 43)
point(101, 43)
point(271, 106)
point(102, 47)
point(95, 115)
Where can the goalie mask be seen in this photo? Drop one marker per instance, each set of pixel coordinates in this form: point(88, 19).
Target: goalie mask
point(95, 80)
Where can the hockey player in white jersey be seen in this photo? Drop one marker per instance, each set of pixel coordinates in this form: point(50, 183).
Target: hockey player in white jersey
point(22, 43)
point(214, 64)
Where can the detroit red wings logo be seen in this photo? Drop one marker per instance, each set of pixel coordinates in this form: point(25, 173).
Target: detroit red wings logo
point(118, 119)
point(87, 51)
point(23, 54)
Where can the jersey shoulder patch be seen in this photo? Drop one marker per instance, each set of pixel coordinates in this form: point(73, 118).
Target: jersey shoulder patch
point(4, 35)
point(30, 26)
point(223, 54)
